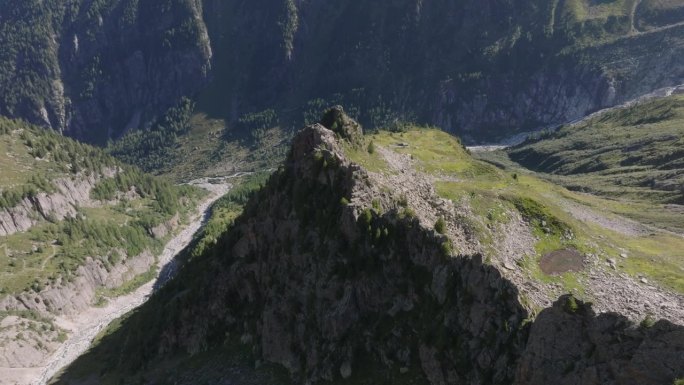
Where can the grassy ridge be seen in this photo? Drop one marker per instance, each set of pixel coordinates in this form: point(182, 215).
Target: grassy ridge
point(635, 153)
point(491, 192)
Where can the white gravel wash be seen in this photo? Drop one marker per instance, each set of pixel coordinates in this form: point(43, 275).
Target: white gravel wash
point(85, 327)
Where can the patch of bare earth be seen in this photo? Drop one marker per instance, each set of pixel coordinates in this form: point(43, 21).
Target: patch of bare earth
point(562, 261)
point(617, 224)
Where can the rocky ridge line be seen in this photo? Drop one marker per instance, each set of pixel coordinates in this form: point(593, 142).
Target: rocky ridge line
point(333, 277)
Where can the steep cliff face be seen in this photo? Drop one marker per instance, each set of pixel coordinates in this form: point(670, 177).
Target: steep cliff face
point(71, 193)
point(570, 344)
point(482, 69)
point(334, 278)
point(95, 69)
point(479, 69)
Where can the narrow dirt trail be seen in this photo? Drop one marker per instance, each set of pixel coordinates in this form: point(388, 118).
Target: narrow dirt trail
point(86, 326)
point(48, 258)
point(632, 17)
point(660, 29)
point(635, 31)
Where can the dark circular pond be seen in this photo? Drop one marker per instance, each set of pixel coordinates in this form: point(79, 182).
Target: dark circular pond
point(562, 261)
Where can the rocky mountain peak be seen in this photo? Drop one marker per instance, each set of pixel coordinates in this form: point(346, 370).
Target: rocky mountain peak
point(338, 121)
point(333, 277)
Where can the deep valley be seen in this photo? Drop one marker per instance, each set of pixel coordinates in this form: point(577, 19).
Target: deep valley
point(282, 192)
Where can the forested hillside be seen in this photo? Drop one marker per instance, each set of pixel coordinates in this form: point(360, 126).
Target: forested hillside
point(77, 229)
point(61, 196)
point(97, 68)
point(483, 69)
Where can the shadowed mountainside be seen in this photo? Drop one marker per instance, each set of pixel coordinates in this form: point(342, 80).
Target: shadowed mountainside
point(334, 279)
point(483, 69)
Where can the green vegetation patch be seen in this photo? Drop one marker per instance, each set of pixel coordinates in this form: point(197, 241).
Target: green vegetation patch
point(635, 153)
point(369, 160)
point(188, 145)
point(120, 226)
point(539, 216)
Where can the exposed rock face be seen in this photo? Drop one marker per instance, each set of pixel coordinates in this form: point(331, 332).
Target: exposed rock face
point(36, 344)
point(340, 123)
point(317, 284)
point(100, 70)
point(164, 229)
point(71, 192)
point(575, 346)
point(325, 275)
point(78, 294)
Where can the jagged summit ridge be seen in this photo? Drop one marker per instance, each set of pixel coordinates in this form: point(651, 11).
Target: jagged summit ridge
point(334, 277)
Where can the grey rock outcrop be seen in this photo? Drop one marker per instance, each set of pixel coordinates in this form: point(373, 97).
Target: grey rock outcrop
point(102, 70)
point(318, 278)
point(68, 297)
point(336, 120)
point(574, 346)
point(70, 193)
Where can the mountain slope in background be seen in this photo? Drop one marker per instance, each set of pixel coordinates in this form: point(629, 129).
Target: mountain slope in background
point(397, 258)
point(632, 155)
point(77, 228)
point(626, 152)
point(97, 69)
point(479, 69)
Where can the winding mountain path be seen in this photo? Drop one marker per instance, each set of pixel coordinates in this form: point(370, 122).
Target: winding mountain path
point(48, 258)
point(634, 31)
point(85, 326)
point(632, 17)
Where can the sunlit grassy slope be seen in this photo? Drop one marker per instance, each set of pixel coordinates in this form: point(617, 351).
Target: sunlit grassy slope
point(635, 156)
point(111, 226)
point(490, 192)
